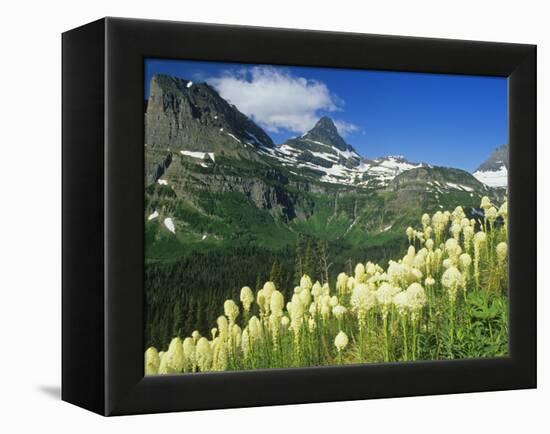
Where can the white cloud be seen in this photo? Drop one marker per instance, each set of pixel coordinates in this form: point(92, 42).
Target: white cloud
point(345, 128)
point(277, 100)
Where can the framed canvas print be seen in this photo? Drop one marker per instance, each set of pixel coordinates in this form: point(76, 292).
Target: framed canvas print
point(258, 216)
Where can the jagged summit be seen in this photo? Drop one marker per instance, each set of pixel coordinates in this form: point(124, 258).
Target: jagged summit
point(498, 158)
point(322, 145)
point(325, 131)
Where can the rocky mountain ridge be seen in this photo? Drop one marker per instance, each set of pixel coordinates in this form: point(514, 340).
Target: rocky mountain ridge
point(212, 175)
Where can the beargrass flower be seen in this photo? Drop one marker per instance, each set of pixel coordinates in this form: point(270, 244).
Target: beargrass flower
point(172, 361)
point(260, 299)
point(311, 324)
point(428, 232)
point(458, 214)
point(464, 261)
point(371, 269)
point(410, 234)
point(416, 299)
point(456, 229)
point(285, 322)
point(396, 273)
point(188, 353)
point(362, 298)
point(491, 215)
point(341, 341)
point(195, 335)
point(430, 281)
point(485, 203)
point(341, 283)
point(305, 282)
point(480, 238)
point(425, 220)
point(245, 342)
point(223, 325)
point(247, 298)
point(325, 311)
point(339, 311)
point(468, 233)
point(360, 275)
point(204, 354)
point(152, 361)
point(313, 308)
point(502, 251)
point(453, 249)
point(452, 281)
point(255, 328)
point(277, 303)
point(268, 289)
point(305, 297)
point(316, 290)
point(384, 296)
point(419, 261)
point(412, 275)
point(297, 311)
point(235, 331)
point(401, 302)
point(503, 210)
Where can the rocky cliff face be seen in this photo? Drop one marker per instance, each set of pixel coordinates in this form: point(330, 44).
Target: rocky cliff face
point(183, 115)
point(191, 120)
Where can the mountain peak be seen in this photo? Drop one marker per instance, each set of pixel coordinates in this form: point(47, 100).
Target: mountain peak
point(497, 159)
point(325, 131)
point(325, 123)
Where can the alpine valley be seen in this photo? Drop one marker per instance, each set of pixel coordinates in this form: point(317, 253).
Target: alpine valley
point(226, 207)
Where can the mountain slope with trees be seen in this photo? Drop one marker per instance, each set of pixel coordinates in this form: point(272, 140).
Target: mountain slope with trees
point(226, 207)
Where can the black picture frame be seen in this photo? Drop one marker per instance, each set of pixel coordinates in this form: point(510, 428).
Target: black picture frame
point(103, 220)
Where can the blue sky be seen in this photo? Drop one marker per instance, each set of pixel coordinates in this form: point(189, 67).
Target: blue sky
point(447, 120)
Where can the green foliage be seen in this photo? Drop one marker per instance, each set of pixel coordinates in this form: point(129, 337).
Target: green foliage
point(451, 317)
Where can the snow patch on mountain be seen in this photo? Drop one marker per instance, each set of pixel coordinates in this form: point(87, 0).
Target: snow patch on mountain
point(394, 164)
point(198, 155)
point(493, 178)
point(169, 223)
point(335, 150)
point(232, 136)
point(383, 170)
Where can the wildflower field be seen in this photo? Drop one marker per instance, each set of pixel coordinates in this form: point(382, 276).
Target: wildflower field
point(445, 298)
